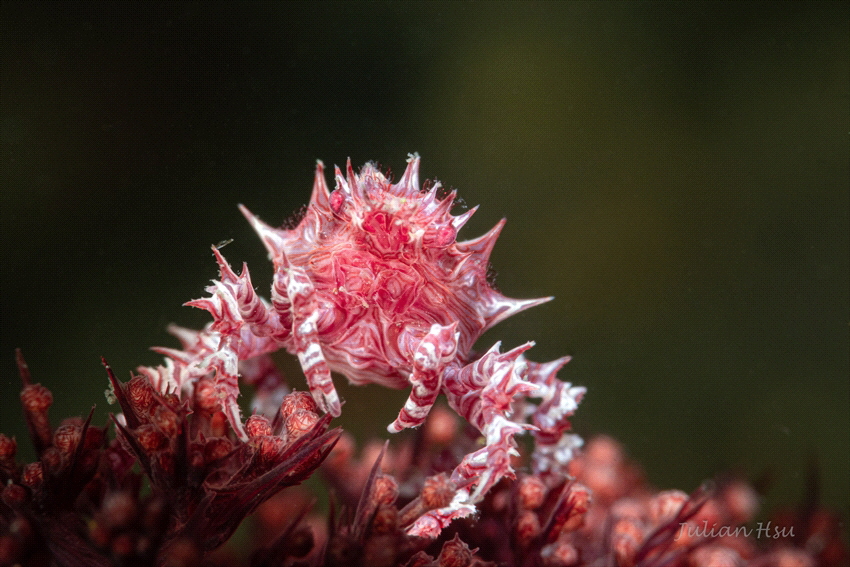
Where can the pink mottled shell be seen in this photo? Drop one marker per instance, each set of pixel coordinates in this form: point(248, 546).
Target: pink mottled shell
point(386, 266)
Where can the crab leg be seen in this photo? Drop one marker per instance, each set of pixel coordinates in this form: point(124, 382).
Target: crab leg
point(305, 318)
point(436, 349)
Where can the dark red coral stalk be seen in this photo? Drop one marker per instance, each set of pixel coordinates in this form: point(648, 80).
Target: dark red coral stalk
point(213, 480)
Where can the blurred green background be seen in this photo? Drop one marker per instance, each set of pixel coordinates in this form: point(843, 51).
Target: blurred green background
point(676, 174)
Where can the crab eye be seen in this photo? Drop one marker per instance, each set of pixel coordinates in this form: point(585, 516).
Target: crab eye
point(445, 236)
point(337, 200)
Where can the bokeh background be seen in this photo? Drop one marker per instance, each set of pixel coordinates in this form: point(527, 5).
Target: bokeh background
point(676, 174)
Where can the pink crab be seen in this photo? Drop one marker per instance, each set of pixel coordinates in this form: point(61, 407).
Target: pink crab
point(373, 284)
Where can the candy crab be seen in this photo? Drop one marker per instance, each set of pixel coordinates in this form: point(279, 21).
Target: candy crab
point(373, 284)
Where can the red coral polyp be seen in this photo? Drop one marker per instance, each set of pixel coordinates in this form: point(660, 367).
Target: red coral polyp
point(373, 284)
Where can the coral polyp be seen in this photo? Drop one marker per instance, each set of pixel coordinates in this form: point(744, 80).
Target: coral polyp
point(373, 284)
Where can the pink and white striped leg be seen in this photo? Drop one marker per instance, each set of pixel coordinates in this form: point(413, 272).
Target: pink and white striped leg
point(225, 363)
point(305, 318)
point(436, 349)
point(431, 523)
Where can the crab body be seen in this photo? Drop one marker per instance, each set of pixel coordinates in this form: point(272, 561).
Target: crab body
point(373, 284)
